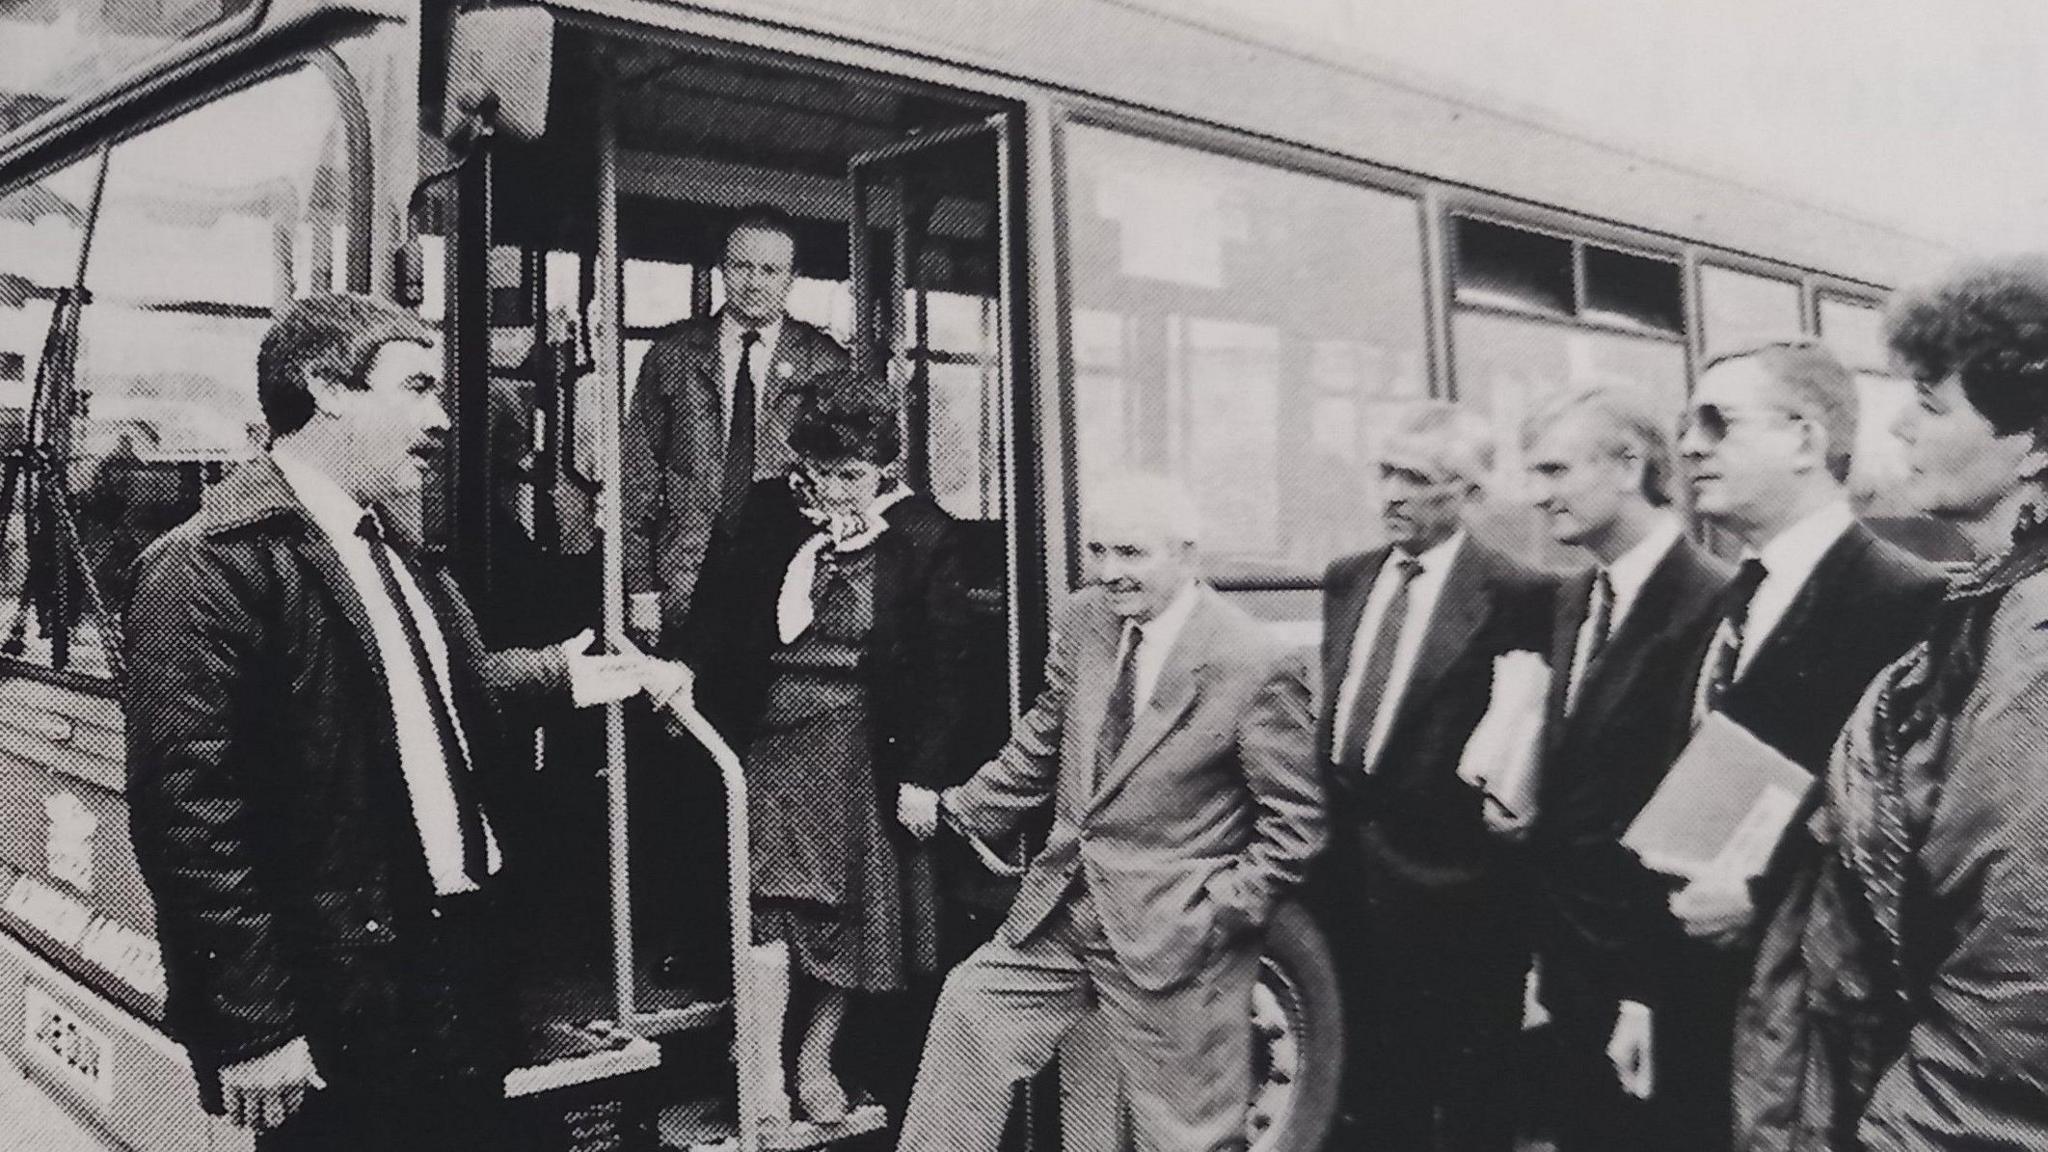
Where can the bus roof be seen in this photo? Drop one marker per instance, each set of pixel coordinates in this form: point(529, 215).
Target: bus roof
point(1130, 52)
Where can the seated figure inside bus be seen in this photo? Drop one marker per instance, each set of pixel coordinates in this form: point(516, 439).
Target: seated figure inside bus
point(835, 618)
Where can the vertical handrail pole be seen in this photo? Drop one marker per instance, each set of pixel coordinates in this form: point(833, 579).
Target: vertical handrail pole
point(608, 353)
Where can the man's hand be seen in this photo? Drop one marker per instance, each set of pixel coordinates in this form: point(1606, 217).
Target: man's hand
point(602, 679)
point(1629, 1050)
point(669, 684)
point(917, 809)
point(263, 1091)
point(1714, 908)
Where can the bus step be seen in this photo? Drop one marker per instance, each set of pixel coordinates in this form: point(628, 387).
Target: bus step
point(707, 1126)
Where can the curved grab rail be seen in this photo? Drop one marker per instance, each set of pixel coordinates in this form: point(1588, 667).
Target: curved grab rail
point(746, 1023)
point(982, 852)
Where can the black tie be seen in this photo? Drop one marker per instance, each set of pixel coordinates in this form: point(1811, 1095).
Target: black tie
point(1732, 635)
point(1379, 665)
point(1123, 705)
point(475, 861)
point(1599, 629)
point(739, 439)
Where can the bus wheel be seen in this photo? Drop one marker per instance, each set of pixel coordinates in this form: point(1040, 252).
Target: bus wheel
point(1297, 1039)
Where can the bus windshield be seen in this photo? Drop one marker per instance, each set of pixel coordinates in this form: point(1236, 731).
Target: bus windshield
point(54, 51)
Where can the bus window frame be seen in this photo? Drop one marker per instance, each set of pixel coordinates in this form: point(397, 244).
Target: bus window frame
point(173, 58)
point(1230, 144)
point(354, 117)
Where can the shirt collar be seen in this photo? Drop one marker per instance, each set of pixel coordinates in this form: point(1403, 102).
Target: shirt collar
point(1438, 559)
point(730, 328)
point(1161, 630)
point(333, 510)
point(1631, 570)
point(1794, 553)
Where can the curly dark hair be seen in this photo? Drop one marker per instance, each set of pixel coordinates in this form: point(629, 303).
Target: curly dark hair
point(1988, 327)
point(848, 416)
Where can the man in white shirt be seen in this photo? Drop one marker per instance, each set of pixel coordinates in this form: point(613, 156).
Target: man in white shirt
point(694, 438)
point(1414, 892)
point(1622, 654)
point(1172, 742)
point(312, 730)
point(711, 414)
point(1818, 606)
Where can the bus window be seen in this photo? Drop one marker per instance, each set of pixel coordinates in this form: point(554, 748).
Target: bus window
point(1741, 308)
point(1243, 327)
point(57, 50)
point(1538, 315)
point(193, 245)
point(1509, 367)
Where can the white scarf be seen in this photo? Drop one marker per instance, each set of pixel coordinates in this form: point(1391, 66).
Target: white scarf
point(844, 533)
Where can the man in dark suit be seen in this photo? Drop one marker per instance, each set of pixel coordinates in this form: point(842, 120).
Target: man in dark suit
point(1413, 890)
point(694, 440)
point(312, 733)
point(1171, 742)
point(1818, 606)
point(1627, 636)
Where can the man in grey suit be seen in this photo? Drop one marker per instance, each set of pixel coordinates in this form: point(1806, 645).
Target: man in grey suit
point(693, 440)
point(1172, 739)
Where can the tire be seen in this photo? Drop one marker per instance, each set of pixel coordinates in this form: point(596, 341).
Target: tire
point(1297, 1038)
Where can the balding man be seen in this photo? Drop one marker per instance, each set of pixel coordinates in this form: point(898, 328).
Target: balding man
point(1414, 890)
point(1172, 741)
point(695, 438)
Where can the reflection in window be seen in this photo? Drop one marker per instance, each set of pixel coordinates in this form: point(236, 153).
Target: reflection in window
point(197, 239)
point(1509, 367)
point(1738, 309)
point(1241, 327)
point(1854, 331)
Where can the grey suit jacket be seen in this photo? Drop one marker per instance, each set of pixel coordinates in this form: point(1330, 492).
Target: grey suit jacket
point(1211, 811)
point(673, 449)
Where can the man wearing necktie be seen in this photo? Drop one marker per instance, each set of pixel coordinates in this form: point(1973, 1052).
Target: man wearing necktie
point(312, 729)
point(1818, 606)
point(1172, 742)
point(710, 415)
point(1622, 654)
point(1414, 891)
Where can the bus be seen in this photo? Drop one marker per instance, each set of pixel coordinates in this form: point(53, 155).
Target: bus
point(1084, 236)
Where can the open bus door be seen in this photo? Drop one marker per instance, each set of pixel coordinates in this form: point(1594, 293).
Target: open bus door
point(569, 254)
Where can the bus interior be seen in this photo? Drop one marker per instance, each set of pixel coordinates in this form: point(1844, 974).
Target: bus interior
point(899, 194)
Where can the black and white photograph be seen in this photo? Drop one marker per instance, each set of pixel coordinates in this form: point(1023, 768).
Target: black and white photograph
point(1023, 576)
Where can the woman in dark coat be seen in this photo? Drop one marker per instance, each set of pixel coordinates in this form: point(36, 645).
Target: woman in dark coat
point(1900, 999)
point(831, 628)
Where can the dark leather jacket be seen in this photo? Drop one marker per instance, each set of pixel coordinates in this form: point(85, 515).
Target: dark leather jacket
point(268, 811)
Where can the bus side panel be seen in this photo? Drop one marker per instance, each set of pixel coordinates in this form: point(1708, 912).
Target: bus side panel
point(127, 1078)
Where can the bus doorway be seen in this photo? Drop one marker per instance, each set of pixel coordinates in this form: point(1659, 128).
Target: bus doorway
point(569, 259)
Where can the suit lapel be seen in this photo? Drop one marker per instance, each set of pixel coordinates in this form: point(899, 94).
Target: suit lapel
point(1647, 626)
point(1094, 679)
point(1172, 697)
point(1344, 624)
point(1461, 609)
point(1564, 645)
point(1835, 564)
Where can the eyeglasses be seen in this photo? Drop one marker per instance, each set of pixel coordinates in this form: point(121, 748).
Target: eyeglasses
point(1714, 421)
